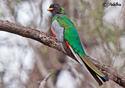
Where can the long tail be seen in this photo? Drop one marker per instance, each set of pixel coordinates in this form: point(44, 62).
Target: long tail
point(93, 70)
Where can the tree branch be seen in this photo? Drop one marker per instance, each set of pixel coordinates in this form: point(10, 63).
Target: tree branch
point(44, 81)
point(52, 42)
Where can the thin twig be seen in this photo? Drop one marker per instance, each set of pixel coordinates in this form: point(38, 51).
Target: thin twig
point(44, 81)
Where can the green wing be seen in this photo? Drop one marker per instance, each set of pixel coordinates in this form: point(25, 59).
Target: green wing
point(70, 33)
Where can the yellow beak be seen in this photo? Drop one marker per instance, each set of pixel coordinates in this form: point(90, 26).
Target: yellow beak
point(49, 9)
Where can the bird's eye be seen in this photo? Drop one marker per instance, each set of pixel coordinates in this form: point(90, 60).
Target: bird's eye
point(55, 6)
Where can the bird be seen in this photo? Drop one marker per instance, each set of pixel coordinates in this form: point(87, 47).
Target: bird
point(65, 32)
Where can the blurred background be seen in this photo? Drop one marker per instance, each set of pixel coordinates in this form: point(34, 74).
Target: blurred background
point(24, 63)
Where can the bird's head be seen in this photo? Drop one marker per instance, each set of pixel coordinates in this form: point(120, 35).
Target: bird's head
point(56, 9)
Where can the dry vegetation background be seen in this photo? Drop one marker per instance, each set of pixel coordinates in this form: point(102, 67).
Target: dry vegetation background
point(24, 63)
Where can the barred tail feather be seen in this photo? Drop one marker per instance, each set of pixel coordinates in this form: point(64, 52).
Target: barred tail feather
point(91, 68)
point(94, 75)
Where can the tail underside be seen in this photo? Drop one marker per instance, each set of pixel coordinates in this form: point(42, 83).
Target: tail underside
point(93, 70)
point(99, 77)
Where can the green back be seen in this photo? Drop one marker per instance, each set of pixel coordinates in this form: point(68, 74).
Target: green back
point(70, 33)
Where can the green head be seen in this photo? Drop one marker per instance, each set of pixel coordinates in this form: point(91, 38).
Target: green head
point(56, 9)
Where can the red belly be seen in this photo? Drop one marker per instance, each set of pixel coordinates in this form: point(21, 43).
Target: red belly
point(53, 32)
point(55, 36)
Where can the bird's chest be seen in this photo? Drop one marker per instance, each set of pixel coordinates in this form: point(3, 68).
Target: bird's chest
point(58, 31)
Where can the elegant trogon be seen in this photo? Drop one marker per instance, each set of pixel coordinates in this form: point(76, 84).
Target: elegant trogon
point(65, 32)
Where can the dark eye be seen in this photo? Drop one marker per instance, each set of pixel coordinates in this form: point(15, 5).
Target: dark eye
point(55, 6)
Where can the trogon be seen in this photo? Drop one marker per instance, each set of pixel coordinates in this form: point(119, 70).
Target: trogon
point(65, 32)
